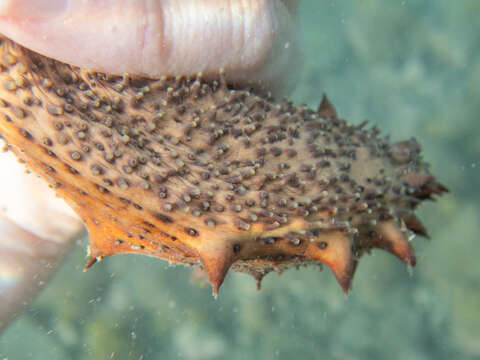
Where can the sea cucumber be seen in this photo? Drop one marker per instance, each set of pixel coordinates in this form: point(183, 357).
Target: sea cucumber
point(198, 173)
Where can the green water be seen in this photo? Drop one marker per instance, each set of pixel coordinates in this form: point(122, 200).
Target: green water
point(412, 67)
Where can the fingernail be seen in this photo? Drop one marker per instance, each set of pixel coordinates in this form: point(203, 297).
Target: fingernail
point(32, 9)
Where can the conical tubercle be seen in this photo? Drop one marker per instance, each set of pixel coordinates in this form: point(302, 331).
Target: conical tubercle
point(415, 225)
point(326, 109)
point(392, 239)
point(334, 249)
point(92, 259)
point(216, 261)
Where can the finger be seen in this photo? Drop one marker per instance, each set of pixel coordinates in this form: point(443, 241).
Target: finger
point(26, 262)
point(26, 200)
point(36, 230)
point(249, 39)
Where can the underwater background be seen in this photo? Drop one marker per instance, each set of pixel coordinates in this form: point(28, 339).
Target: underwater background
point(412, 68)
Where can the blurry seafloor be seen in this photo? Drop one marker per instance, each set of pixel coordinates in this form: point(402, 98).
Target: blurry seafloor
point(412, 67)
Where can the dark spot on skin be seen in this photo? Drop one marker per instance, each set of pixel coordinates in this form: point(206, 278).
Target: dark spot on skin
point(295, 241)
point(276, 151)
point(26, 134)
point(236, 248)
point(149, 224)
point(269, 240)
point(124, 200)
point(122, 183)
point(96, 170)
point(240, 224)
point(102, 189)
point(58, 125)
point(191, 231)
point(164, 218)
point(322, 245)
point(72, 170)
point(19, 113)
point(50, 153)
point(49, 168)
point(75, 155)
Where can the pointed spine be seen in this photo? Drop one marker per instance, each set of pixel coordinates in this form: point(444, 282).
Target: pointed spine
point(335, 251)
point(326, 109)
point(391, 238)
point(415, 225)
point(216, 262)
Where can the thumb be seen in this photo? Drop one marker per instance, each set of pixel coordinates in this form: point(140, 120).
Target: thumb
point(249, 39)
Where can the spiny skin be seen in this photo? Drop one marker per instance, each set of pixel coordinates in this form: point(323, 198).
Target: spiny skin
point(200, 174)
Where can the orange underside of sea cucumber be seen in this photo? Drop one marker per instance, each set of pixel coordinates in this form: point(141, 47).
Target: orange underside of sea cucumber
point(198, 173)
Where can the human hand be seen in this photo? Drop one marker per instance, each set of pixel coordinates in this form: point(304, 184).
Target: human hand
point(254, 41)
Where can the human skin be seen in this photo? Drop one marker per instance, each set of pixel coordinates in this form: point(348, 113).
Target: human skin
point(253, 41)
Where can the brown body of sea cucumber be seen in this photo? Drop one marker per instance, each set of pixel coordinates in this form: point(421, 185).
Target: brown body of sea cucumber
point(198, 173)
